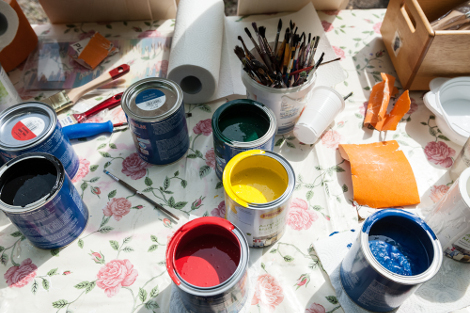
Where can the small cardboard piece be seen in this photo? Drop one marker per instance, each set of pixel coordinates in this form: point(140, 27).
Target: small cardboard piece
point(382, 177)
point(90, 52)
point(376, 114)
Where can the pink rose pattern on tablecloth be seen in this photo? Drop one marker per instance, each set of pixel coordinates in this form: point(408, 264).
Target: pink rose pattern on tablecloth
point(114, 275)
point(315, 308)
point(339, 52)
point(117, 207)
point(331, 139)
point(439, 153)
point(83, 170)
point(118, 116)
point(327, 26)
point(203, 127)
point(268, 292)
point(413, 106)
point(376, 27)
point(20, 276)
point(299, 216)
point(134, 166)
point(210, 158)
point(437, 192)
point(219, 211)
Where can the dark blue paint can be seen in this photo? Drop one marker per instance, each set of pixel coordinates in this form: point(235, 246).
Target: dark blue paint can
point(394, 253)
point(155, 112)
point(241, 125)
point(40, 199)
point(33, 127)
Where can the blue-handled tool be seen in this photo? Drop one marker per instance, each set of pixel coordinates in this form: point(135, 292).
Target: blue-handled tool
point(88, 129)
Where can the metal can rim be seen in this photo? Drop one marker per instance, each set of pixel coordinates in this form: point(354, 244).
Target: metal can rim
point(40, 105)
point(259, 206)
point(132, 89)
point(14, 209)
point(405, 280)
point(241, 144)
point(213, 290)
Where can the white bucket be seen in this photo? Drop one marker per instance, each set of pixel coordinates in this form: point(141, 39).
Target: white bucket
point(286, 103)
point(324, 104)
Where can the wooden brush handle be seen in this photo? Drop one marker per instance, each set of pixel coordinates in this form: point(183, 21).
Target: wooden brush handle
point(76, 93)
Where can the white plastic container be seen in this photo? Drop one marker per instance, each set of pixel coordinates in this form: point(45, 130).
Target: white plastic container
point(450, 219)
point(324, 105)
point(286, 103)
point(462, 161)
point(448, 100)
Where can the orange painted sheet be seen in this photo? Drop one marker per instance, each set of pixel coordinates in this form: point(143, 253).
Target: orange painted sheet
point(381, 174)
point(379, 99)
point(399, 110)
point(95, 51)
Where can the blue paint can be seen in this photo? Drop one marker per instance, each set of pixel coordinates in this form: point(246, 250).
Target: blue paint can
point(40, 199)
point(241, 125)
point(155, 112)
point(33, 127)
point(394, 253)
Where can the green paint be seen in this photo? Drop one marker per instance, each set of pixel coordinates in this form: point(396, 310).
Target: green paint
point(244, 127)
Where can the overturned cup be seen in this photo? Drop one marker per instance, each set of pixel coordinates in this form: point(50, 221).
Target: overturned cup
point(324, 105)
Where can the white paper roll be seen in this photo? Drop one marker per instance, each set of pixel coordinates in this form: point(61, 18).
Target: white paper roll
point(196, 48)
point(9, 23)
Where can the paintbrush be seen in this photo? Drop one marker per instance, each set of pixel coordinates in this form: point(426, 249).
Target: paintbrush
point(314, 50)
point(78, 118)
point(249, 55)
point(85, 130)
point(279, 28)
point(143, 196)
point(310, 75)
point(263, 54)
point(280, 52)
point(247, 31)
point(306, 69)
point(65, 99)
point(252, 66)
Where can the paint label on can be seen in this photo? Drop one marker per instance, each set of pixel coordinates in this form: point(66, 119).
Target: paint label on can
point(150, 99)
point(260, 227)
point(373, 296)
point(460, 249)
point(28, 128)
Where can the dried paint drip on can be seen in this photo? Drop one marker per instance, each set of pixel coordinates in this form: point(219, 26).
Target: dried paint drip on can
point(40, 199)
point(394, 253)
point(155, 111)
point(33, 127)
point(207, 259)
point(450, 219)
point(8, 94)
point(258, 189)
point(241, 125)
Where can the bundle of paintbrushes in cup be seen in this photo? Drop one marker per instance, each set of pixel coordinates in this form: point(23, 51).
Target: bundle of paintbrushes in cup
point(281, 74)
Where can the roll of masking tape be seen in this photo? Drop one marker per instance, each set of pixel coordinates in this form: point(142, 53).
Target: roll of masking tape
point(9, 23)
point(14, 23)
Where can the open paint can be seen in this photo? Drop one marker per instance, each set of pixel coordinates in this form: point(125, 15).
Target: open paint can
point(207, 259)
point(449, 219)
point(33, 127)
point(394, 253)
point(286, 103)
point(241, 125)
point(258, 189)
point(155, 112)
point(40, 199)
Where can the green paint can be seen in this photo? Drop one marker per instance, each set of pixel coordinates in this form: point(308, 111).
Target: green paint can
point(241, 125)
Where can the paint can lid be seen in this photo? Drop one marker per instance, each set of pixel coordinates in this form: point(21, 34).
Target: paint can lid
point(26, 125)
point(151, 99)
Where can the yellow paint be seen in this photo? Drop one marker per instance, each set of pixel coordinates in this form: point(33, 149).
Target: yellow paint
point(253, 177)
point(258, 185)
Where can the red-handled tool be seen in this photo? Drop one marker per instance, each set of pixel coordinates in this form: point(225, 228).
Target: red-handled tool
point(65, 99)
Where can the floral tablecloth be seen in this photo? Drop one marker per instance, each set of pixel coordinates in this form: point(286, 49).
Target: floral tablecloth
point(118, 263)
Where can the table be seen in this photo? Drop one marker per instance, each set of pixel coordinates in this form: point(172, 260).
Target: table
point(126, 235)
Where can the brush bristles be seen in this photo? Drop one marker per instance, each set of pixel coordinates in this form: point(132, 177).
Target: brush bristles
point(279, 25)
point(262, 31)
point(255, 27)
point(247, 31)
point(239, 52)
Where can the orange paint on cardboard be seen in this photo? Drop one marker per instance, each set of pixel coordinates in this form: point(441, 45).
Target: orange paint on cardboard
point(91, 52)
point(381, 174)
point(399, 110)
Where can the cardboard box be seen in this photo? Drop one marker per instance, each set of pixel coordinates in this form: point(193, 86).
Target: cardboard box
point(248, 7)
point(77, 11)
point(419, 53)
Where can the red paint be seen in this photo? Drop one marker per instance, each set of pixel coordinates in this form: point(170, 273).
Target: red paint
point(191, 247)
point(207, 260)
point(21, 132)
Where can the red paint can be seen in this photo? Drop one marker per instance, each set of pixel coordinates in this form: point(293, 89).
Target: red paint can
point(207, 259)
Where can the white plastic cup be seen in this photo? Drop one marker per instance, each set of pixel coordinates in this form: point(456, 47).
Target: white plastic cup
point(324, 104)
point(462, 161)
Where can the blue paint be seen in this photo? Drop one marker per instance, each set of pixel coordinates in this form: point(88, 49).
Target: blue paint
point(333, 233)
point(161, 142)
point(349, 245)
point(52, 140)
point(391, 257)
point(50, 222)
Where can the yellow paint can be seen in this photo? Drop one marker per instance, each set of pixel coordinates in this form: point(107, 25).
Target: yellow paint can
point(258, 188)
